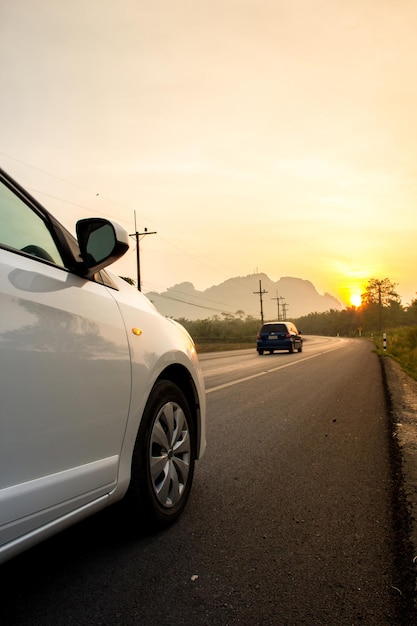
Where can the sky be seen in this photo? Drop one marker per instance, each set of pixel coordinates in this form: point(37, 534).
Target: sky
point(251, 136)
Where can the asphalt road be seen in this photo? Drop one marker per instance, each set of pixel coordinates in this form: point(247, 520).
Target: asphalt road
point(293, 517)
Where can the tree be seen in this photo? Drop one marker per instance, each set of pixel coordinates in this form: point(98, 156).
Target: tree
point(379, 295)
point(381, 292)
point(412, 311)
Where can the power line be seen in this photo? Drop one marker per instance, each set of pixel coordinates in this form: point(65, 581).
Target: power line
point(136, 235)
point(199, 306)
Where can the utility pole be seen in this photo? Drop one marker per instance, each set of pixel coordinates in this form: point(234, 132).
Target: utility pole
point(136, 235)
point(283, 307)
point(278, 298)
point(260, 293)
point(284, 310)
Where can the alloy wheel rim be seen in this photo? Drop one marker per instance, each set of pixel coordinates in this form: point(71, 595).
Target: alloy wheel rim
point(170, 454)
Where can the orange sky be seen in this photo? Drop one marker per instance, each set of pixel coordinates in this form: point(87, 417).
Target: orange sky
point(250, 134)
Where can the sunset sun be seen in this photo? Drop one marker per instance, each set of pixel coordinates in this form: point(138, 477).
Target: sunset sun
point(356, 299)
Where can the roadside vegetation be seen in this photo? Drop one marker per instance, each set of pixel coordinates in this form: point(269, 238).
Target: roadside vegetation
point(401, 345)
point(380, 314)
point(226, 332)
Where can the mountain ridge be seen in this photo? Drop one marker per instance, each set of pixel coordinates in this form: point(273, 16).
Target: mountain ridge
point(241, 295)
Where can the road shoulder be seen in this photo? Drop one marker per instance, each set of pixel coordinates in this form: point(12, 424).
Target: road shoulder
point(402, 399)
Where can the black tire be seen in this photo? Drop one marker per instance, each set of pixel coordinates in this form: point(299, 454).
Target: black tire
point(163, 459)
point(291, 348)
point(260, 351)
point(300, 349)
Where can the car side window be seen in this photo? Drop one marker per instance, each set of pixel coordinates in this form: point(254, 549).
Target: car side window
point(22, 229)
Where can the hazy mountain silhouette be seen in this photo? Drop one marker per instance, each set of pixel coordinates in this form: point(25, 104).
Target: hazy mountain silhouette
point(237, 294)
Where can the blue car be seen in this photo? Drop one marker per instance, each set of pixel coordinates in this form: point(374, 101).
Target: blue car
point(279, 336)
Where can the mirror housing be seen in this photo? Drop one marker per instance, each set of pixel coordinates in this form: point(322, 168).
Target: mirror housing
point(101, 243)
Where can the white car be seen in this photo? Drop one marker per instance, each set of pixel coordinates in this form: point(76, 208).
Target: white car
point(101, 398)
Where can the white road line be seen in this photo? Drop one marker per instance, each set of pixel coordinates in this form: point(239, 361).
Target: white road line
point(275, 369)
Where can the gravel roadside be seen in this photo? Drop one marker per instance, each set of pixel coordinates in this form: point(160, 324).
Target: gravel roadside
point(401, 393)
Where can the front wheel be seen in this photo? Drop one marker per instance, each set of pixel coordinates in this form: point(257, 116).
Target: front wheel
point(163, 459)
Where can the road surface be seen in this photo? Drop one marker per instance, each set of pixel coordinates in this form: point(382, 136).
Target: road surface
point(291, 519)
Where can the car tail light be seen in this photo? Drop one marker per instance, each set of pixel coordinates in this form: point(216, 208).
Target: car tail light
point(288, 335)
point(258, 336)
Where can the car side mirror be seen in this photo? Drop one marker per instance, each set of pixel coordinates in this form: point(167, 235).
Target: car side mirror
point(101, 243)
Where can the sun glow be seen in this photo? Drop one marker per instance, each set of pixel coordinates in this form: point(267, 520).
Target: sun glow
point(355, 299)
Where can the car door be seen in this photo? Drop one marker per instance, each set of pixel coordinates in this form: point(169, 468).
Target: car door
point(65, 377)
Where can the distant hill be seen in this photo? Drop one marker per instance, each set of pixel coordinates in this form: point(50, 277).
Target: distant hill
point(237, 295)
